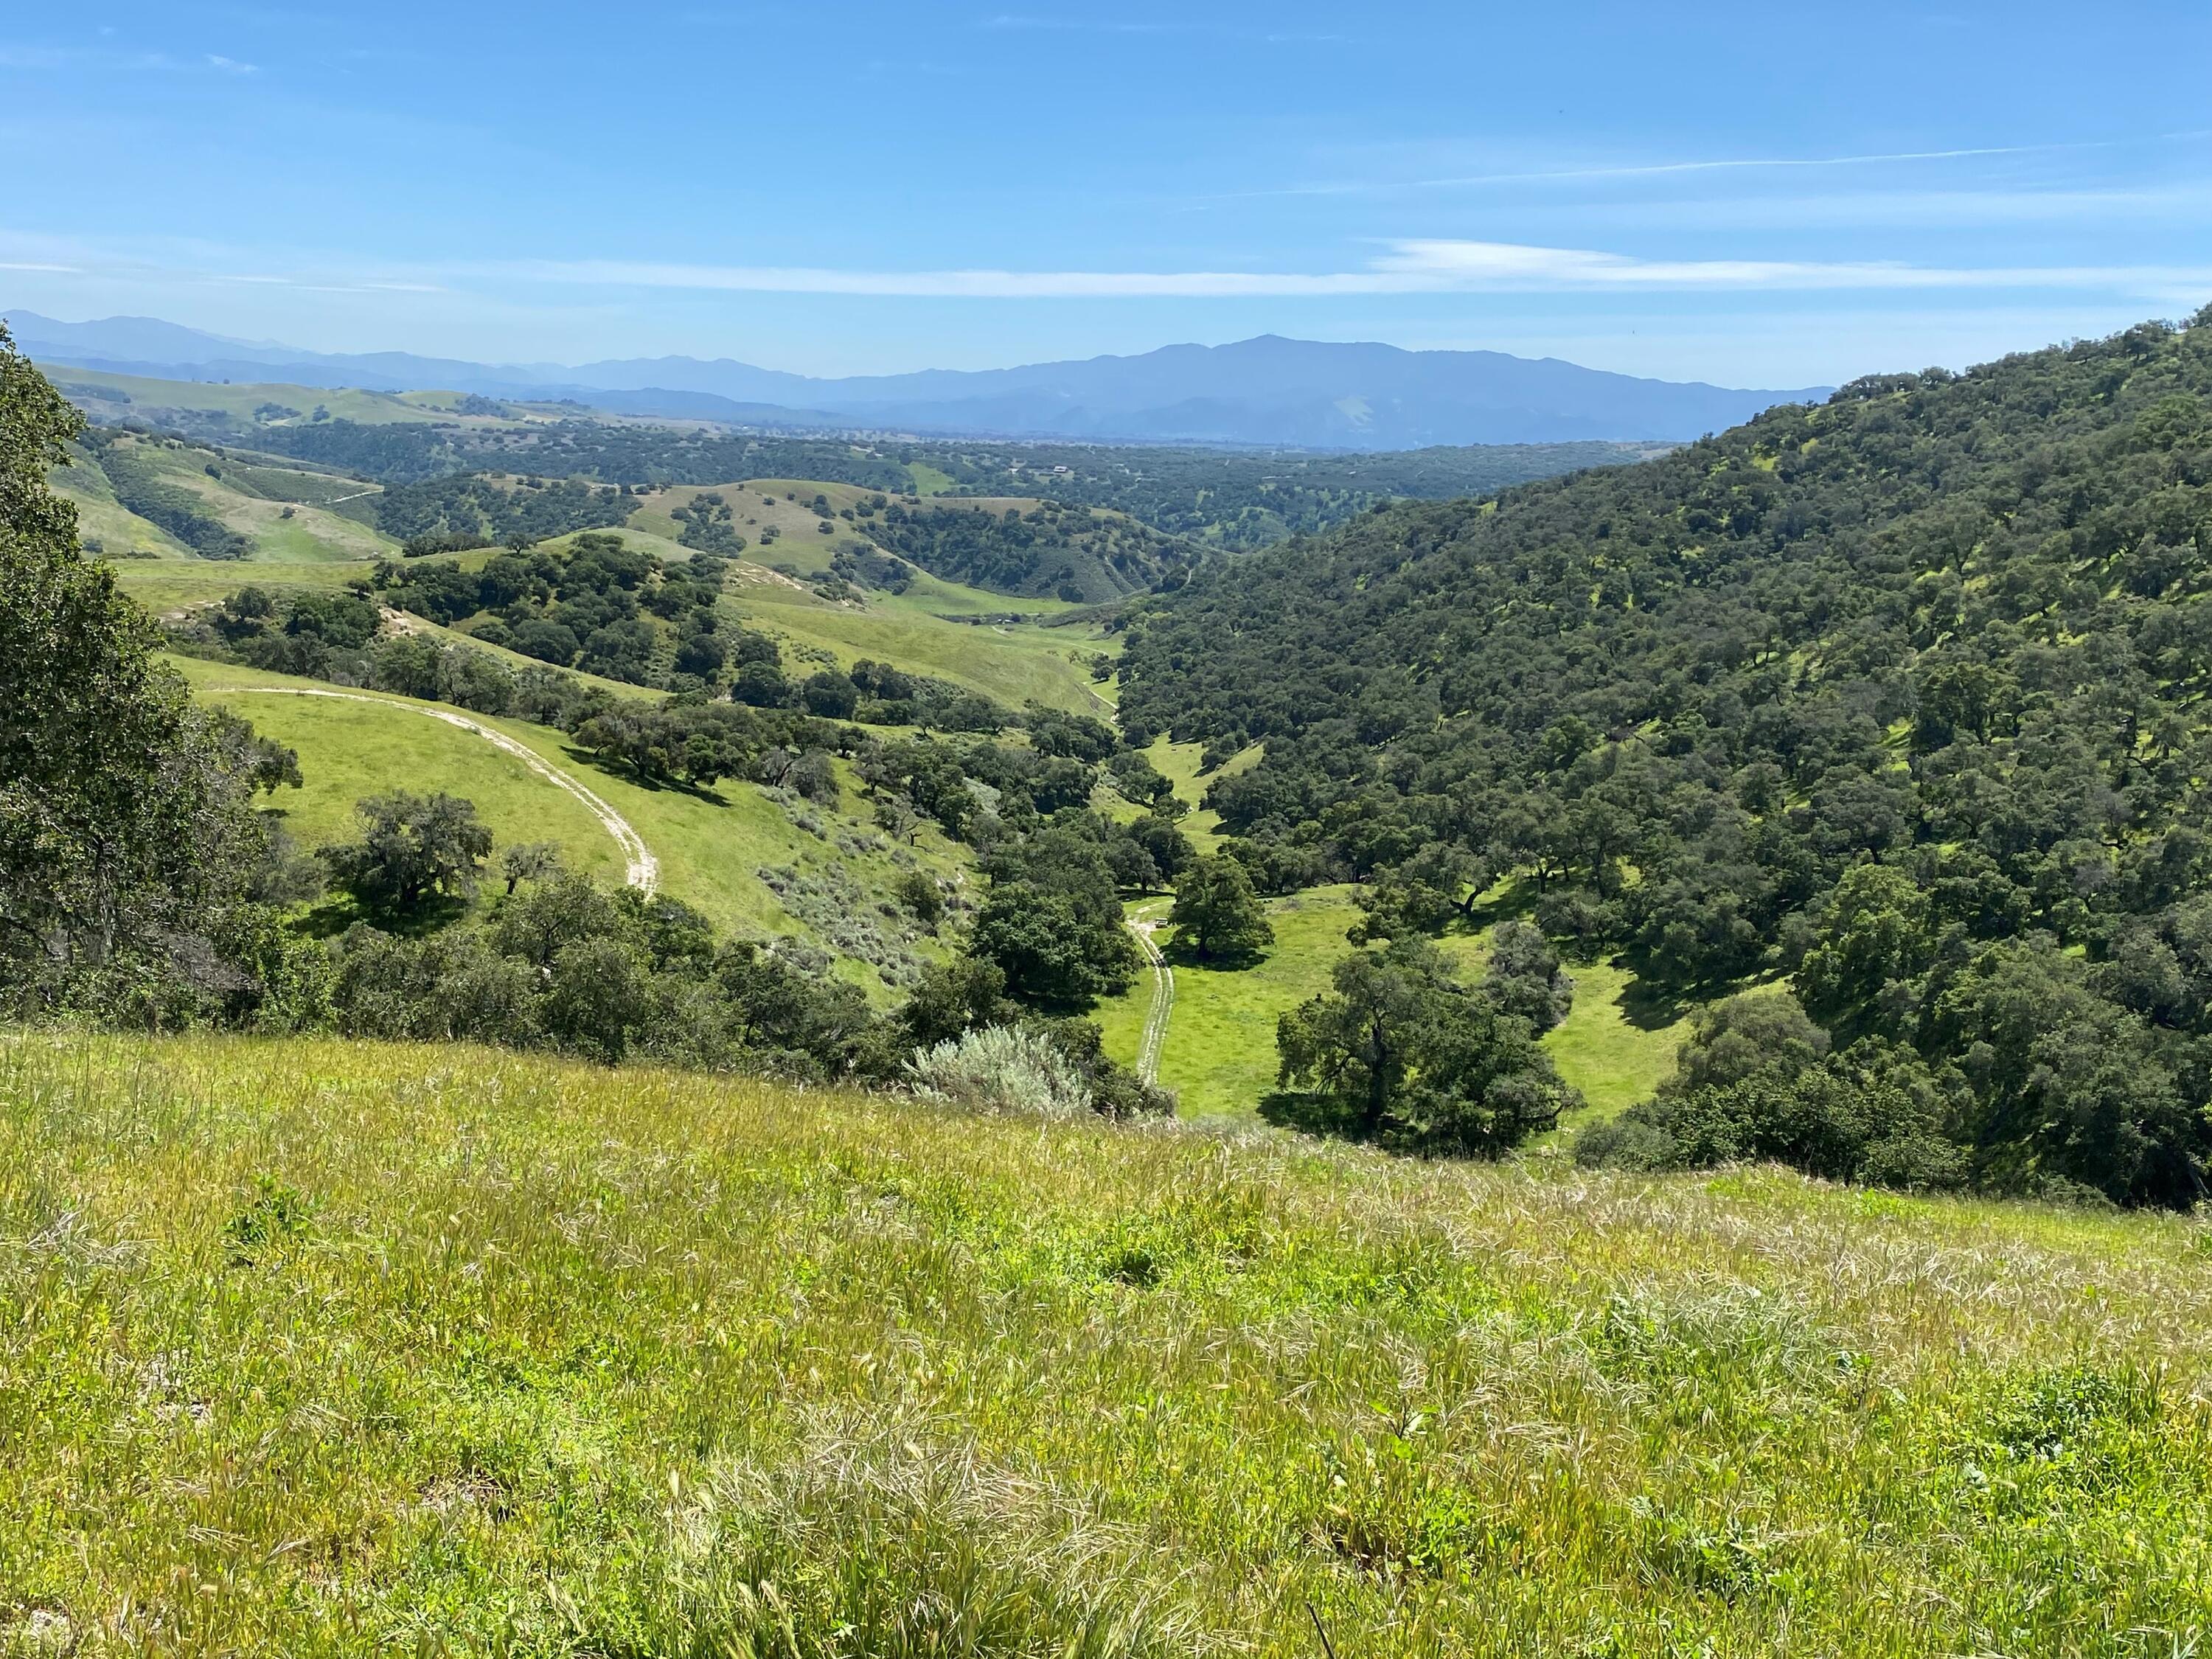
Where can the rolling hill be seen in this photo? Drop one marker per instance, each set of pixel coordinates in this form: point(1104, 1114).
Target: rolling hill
point(143, 496)
point(1022, 547)
point(1235, 498)
point(834, 873)
point(263, 402)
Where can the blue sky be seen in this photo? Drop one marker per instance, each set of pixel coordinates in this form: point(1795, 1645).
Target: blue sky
point(1774, 195)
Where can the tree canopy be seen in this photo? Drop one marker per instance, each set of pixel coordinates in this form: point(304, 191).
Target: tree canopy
point(1217, 915)
point(129, 851)
point(1399, 1050)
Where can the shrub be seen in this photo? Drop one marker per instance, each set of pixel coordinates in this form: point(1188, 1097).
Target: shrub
point(1001, 1068)
point(1871, 1114)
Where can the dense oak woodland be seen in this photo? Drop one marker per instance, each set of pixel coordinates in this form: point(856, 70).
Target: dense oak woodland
point(1244, 500)
point(1902, 694)
point(1069, 552)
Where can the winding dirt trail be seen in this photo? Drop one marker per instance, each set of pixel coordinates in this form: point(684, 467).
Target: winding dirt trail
point(644, 870)
point(1156, 1018)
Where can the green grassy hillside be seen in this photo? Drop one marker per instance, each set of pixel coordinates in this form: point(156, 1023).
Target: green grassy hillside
point(1219, 1052)
point(939, 629)
point(316, 1347)
point(1012, 662)
point(831, 872)
point(366, 743)
point(919, 632)
point(141, 497)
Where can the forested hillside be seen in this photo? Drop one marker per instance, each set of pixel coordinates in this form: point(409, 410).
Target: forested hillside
point(1241, 499)
point(442, 444)
point(1031, 548)
point(1902, 694)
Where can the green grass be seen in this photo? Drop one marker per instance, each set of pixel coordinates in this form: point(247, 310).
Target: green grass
point(1601, 1050)
point(289, 529)
point(711, 845)
point(1178, 764)
point(171, 584)
point(120, 534)
point(1011, 662)
point(311, 533)
point(349, 749)
point(309, 1347)
point(1219, 1055)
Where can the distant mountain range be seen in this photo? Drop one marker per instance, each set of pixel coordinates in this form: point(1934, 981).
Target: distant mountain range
point(1268, 390)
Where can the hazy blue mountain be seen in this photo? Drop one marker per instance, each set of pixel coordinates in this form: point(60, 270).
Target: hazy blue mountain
point(1264, 390)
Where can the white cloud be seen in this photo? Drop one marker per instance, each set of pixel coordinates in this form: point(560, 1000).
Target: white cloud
point(1513, 266)
point(1943, 208)
point(1412, 265)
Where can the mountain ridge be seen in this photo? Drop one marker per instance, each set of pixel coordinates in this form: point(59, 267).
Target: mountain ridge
point(1265, 390)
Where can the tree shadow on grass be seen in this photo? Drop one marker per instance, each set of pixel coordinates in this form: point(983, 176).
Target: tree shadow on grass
point(1514, 897)
point(1651, 1004)
point(711, 794)
point(1312, 1114)
point(1176, 954)
point(339, 912)
point(1650, 1007)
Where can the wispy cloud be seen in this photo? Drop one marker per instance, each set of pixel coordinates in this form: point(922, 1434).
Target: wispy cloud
point(1399, 266)
point(47, 58)
point(1423, 265)
point(313, 285)
point(1623, 171)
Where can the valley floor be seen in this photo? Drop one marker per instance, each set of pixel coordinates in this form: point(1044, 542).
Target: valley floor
point(311, 1347)
point(1217, 1048)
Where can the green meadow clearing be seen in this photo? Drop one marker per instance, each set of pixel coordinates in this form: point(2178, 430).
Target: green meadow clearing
point(1015, 663)
point(1219, 1055)
point(317, 1348)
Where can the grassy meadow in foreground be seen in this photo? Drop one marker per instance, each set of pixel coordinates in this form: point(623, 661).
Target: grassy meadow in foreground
point(311, 1347)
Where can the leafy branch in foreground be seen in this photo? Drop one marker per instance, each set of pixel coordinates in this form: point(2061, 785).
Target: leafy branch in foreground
point(129, 849)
